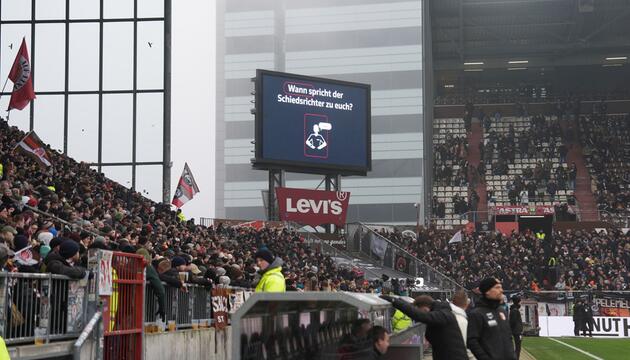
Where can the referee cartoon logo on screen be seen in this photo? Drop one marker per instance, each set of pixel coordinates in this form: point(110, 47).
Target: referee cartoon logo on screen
point(316, 135)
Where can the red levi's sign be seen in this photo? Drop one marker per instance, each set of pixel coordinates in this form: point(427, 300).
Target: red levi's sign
point(313, 207)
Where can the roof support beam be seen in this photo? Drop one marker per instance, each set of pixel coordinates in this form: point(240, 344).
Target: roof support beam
point(605, 25)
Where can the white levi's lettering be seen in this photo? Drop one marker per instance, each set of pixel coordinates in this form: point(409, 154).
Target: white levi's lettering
point(290, 207)
point(303, 205)
point(336, 207)
point(316, 206)
point(492, 323)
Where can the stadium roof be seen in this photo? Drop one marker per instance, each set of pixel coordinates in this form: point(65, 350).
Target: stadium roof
point(543, 32)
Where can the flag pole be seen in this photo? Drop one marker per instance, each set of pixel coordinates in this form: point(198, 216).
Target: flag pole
point(4, 87)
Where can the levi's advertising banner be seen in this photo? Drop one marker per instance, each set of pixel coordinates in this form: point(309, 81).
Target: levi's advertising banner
point(313, 122)
point(313, 207)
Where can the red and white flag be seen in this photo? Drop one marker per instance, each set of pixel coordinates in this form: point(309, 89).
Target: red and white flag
point(33, 146)
point(186, 189)
point(22, 78)
point(25, 256)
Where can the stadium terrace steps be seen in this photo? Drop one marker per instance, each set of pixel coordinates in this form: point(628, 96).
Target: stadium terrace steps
point(583, 193)
point(475, 137)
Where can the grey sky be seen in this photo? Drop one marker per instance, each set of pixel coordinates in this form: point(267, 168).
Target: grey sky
point(193, 88)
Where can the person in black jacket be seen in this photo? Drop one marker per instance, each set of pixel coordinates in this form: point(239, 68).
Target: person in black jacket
point(578, 317)
point(64, 262)
point(587, 319)
point(442, 329)
point(516, 324)
point(489, 335)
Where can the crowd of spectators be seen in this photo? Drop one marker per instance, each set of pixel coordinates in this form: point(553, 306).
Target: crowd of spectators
point(607, 150)
point(581, 260)
point(450, 165)
point(539, 181)
point(87, 210)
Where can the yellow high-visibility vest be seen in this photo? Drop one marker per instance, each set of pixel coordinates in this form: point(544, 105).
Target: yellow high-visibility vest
point(272, 281)
point(400, 321)
point(4, 353)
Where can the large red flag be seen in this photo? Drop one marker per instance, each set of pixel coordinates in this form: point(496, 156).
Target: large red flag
point(22, 78)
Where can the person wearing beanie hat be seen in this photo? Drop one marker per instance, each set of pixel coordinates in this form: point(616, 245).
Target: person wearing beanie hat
point(179, 263)
point(69, 250)
point(516, 324)
point(270, 266)
point(63, 261)
point(20, 242)
point(489, 333)
point(55, 242)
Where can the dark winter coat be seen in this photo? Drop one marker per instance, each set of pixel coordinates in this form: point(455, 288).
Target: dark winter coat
point(171, 278)
point(516, 321)
point(442, 329)
point(489, 334)
point(578, 313)
point(56, 264)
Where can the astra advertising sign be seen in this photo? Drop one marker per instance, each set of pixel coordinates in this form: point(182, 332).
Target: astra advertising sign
point(313, 207)
point(524, 210)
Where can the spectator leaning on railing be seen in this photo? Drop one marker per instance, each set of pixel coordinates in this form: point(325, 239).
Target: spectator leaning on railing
point(64, 262)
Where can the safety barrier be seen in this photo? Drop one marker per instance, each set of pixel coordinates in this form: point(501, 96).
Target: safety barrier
point(183, 307)
point(40, 307)
point(188, 309)
point(363, 240)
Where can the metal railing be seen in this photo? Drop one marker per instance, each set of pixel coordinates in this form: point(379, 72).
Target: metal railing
point(180, 306)
point(41, 307)
point(186, 308)
point(95, 323)
point(456, 220)
point(361, 239)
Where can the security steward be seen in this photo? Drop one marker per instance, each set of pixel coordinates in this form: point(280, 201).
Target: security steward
point(270, 266)
point(489, 333)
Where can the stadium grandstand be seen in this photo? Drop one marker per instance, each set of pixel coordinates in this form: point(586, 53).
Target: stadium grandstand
point(400, 179)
